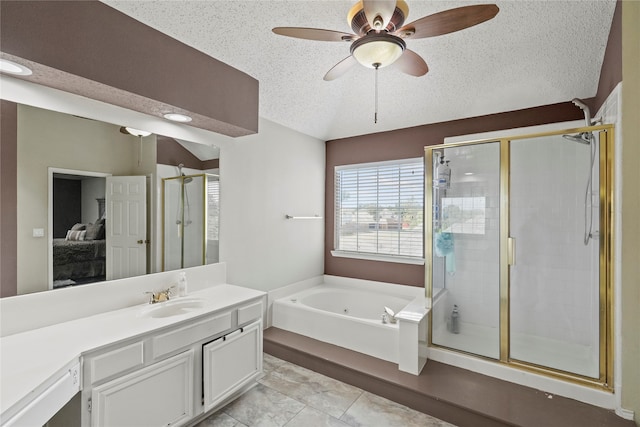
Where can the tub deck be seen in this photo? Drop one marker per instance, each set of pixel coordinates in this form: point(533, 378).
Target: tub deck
point(456, 395)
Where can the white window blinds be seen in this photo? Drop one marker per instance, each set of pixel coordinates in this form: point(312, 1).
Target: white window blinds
point(213, 214)
point(379, 208)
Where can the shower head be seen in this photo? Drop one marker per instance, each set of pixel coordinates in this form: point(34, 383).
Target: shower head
point(184, 180)
point(582, 138)
point(587, 113)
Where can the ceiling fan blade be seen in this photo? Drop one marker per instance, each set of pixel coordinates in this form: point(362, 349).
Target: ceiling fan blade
point(314, 34)
point(448, 21)
point(340, 68)
point(382, 8)
point(411, 63)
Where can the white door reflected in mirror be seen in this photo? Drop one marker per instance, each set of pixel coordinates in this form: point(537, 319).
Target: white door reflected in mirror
point(126, 200)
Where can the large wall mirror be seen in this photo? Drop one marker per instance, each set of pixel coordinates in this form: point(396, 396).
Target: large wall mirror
point(84, 186)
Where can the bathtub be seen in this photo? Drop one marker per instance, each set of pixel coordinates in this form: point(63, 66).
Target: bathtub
point(347, 313)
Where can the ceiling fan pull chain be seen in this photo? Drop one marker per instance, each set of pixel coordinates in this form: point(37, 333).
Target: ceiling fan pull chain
point(375, 114)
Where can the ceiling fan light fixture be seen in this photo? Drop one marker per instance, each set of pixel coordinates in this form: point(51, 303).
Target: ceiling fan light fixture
point(378, 50)
point(359, 23)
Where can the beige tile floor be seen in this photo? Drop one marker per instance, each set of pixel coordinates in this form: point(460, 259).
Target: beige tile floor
point(292, 396)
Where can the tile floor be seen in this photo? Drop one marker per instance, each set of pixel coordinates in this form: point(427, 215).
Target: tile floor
point(292, 396)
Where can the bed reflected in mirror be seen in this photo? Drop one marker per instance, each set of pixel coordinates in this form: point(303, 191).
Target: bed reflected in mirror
point(79, 229)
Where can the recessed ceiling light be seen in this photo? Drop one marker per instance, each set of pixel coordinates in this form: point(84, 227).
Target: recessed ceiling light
point(468, 173)
point(177, 117)
point(11, 67)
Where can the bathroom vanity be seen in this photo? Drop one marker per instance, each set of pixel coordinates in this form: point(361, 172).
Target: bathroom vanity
point(152, 364)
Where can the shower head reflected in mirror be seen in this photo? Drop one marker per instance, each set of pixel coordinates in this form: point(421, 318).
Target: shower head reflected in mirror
point(186, 180)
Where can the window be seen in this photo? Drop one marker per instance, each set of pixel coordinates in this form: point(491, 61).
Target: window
point(213, 202)
point(464, 215)
point(379, 209)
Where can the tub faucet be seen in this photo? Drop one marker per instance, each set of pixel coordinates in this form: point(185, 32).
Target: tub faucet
point(388, 316)
point(160, 296)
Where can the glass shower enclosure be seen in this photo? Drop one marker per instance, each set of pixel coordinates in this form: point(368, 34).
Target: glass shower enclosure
point(190, 212)
point(519, 238)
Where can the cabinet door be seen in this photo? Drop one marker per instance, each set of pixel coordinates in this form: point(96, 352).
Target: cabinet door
point(158, 395)
point(231, 362)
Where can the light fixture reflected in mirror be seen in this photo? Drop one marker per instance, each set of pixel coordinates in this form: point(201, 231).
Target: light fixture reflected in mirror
point(140, 134)
point(133, 131)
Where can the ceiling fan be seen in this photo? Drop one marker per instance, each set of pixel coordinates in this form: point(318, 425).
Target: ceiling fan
point(380, 35)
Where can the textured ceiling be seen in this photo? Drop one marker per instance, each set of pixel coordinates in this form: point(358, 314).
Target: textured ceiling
point(532, 53)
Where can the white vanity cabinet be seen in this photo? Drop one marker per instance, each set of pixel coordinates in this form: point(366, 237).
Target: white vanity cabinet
point(158, 395)
point(174, 374)
point(230, 362)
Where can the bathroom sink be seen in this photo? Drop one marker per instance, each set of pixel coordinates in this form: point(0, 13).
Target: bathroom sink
point(174, 307)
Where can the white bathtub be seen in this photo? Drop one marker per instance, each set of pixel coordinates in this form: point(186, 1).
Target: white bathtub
point(348, 313)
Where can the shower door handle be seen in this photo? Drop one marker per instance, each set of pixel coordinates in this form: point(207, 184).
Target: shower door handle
point(511, 251)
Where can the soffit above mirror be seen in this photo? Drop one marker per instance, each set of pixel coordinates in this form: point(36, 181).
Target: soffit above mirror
point(96, 51)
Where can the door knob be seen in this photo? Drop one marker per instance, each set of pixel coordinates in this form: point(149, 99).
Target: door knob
point(140, 242)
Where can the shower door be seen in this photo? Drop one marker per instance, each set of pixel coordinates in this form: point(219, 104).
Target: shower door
point(184, 214)
point(191, 221)
point(554, 282)
point(519, 239)
point(465, 253)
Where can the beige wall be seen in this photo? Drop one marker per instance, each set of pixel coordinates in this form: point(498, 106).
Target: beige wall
point(50, 139)
point(631, 207)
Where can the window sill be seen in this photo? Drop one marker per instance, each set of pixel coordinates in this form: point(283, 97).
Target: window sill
point(377, 257)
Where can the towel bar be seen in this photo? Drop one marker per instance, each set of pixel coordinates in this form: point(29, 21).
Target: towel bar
point(302, 217)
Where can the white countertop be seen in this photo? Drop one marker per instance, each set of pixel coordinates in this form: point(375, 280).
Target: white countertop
point(30, 359)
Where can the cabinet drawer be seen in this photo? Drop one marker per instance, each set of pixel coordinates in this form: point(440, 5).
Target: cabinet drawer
point(249, 313)
point(117, 361)
point(182, 337)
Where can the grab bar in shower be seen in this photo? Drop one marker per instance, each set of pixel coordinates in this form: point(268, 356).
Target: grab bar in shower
point(302, 217)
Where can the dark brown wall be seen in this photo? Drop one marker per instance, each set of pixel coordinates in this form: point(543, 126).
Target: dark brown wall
point(170, 152)
point(408, 143)
point(8, 198)
point(107, 55)
point(611, 72)
point(210, 164)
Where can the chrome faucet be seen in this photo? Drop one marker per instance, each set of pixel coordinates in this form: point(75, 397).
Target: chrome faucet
point(388, 316)
point(160, 296)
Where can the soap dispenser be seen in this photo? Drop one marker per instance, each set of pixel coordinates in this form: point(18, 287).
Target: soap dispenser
point(182, 284)
point(455, 320)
